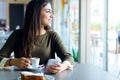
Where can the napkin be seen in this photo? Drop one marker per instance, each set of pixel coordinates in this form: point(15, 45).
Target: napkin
point(53, 61)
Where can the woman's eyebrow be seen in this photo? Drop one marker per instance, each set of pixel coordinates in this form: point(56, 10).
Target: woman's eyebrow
point(48, 9)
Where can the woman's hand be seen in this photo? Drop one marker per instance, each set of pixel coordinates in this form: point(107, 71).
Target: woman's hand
point(58, 67)
point(21, 62)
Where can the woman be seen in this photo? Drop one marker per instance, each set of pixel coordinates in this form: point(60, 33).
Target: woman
point(36, 40)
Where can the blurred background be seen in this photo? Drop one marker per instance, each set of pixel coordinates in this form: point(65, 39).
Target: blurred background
point(90, 29)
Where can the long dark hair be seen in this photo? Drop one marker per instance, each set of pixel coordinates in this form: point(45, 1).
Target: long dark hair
point(32, 24)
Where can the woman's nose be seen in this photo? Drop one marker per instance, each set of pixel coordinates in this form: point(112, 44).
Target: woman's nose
point(52, 15)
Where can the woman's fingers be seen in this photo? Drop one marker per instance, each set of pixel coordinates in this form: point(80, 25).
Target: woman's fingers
point(58, 67)
point(53, 68)
point(26, 60)
point(22, 62)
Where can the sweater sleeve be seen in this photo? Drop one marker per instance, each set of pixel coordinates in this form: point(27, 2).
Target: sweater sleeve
point(7, 48)
point(3, 61)
point(61, 50)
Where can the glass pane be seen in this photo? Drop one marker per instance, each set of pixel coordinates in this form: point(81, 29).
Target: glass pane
point(97, 28)
point(67, 16)
point(73, 23)
point(114, 37)
point(96, 23)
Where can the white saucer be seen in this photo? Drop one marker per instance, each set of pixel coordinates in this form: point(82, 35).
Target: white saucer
point(36, 68)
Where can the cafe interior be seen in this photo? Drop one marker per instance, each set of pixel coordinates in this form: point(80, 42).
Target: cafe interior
point(89, 29)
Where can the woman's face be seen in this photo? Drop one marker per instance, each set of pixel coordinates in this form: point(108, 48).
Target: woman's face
point(46, 15)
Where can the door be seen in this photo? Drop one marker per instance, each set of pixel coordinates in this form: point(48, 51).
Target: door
point(16, 13)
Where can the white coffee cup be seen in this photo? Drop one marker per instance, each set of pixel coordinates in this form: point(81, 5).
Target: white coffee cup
point(35, 62)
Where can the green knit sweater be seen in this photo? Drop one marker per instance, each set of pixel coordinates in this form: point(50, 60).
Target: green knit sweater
point(48, 44)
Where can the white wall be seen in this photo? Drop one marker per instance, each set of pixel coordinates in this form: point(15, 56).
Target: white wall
point(2, 10)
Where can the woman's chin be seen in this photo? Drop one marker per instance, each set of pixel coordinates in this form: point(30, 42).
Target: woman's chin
point(49, 25)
